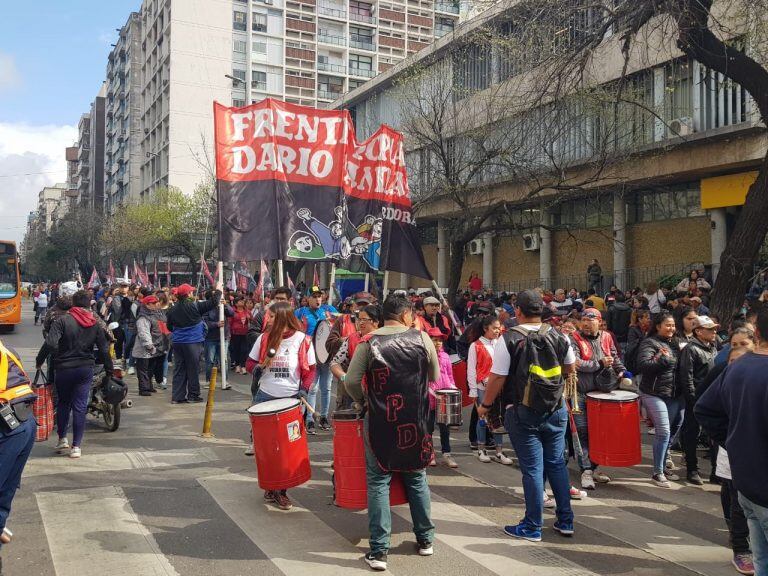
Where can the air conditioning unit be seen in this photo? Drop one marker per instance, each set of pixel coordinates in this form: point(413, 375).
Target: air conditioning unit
point(530, 242)
point(681, 127)
point(476, 246)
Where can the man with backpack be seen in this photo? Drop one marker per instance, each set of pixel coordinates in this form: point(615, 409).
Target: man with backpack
point(529, 366)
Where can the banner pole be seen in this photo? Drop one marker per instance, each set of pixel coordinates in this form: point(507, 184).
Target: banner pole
point(385, 285)
point(367, 281)
point(222, 328)
point(332, 284)
point(280, 273)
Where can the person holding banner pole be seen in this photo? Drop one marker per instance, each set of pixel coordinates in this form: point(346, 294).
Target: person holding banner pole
point(222, 328)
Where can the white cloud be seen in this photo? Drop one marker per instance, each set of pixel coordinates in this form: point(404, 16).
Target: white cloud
point(31, 157)
point(9, 74)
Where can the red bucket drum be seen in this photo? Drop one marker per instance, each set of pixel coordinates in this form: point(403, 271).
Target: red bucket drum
point(349, 464)
point(460, 378)
point(280, 444)
point(613, 420)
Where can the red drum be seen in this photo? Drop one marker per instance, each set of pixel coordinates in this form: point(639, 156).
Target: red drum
point(280, 444)
point(349, 464)
point(614, 431)
point(460, 377)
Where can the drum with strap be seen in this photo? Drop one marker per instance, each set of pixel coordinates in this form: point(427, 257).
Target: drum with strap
point(448, 407)
point(322, 332)
point(459, 367)
point(280, 444)
point(614, 431)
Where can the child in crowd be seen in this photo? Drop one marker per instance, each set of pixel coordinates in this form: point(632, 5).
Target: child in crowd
point(444, 383)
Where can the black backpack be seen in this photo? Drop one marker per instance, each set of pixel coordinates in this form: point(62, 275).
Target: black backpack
point(630, 356)
point(537, 378)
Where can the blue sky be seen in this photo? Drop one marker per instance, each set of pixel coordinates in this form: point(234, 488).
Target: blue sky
point(53, 56)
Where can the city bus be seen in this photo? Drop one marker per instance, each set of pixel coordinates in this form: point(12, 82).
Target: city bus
point(10, 286)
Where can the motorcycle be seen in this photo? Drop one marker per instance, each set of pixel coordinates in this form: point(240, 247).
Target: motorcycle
point(107, 398)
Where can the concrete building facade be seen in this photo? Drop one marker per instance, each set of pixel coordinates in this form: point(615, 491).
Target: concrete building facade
point(664, 209)
point(123, 133)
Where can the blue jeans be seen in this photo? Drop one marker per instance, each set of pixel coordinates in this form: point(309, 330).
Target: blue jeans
point(74, 388)
point(539, 442)
point(130, 338)
point(15, 447)
point(667, 417)
point(581, 427)
point(212, 353)
point(379, 512)
point(482, 428)
point(757, 518)
point(322, 385)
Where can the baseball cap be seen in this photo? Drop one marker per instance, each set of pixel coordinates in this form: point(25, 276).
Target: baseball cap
point(530, 302)
point(431, 300)
point(364, 297)
point(483, 307)
point(592, 314)
point(704, 322)
point(316, 290)
point(185, 290)
point(150, 300)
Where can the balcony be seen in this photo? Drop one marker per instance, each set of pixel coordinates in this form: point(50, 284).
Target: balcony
point(447, 7)
point(360, 72)
point(326, 95)
point(328, 67)
point(332, 10)
point(441, 31)
point(334, 40)
point(361, 44)
point(365, 18)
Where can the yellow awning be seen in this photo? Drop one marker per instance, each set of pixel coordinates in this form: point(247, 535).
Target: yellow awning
point(722, 191)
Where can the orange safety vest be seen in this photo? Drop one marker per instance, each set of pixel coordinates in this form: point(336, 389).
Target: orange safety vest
point(10, 395)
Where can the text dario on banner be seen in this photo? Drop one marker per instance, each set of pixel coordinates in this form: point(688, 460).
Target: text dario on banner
point(294, 184)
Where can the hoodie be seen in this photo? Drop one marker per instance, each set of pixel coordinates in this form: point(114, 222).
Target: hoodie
point(618, 318)
point(150, 340)
point(72, 338)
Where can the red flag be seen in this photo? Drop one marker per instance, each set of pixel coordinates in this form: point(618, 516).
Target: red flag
point(316, 278)
point(292, 289)
point(111, 274)
point(135, 276)
point(206, 271)
point(94, 282)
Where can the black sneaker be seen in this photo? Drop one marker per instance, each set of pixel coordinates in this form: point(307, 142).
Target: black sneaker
point(425, 548)
point(377, 561)
point(196, 399)
point(311, 428)
point(323, 424)
point(695, 479)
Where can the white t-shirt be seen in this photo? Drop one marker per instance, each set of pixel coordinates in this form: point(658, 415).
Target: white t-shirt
point(502, 360)
point(474, 385)
point(42, 300)
point(283, 377)
point(723, 465)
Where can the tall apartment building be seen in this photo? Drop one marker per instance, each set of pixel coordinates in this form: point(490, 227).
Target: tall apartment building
point(83, 171)
point(95, 199)
point(123, 132)
point(240, 51)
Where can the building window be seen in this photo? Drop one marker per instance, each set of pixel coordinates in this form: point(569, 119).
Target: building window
point(238, 103)
point(259, 22)
point(258, 80)
point(360, 62)
point(239, 46)
point(239, 21)
point(665, 203)
point(361, 35)
point(593, 212)
point(240, 78)
point(472, 69)
point(355, 83)
point(259, 48)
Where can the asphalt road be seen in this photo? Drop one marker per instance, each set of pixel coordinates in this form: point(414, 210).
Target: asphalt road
point(154, 498)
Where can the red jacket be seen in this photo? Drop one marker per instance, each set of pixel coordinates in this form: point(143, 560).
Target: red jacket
point(239, 323)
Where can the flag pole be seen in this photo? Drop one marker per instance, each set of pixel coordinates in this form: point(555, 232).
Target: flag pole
point(280, 272)
point(367, 281)
point(332, 284)
point(385, 284)
point(222, 328)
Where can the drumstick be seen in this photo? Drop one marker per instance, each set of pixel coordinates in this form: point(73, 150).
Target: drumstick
point(306, 404)
point(574, 433)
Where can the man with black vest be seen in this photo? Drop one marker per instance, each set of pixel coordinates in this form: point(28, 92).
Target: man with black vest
point(397, 362)
point(529, 365)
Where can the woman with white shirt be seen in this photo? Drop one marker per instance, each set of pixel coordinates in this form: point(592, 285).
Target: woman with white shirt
point(286, 358)
point(479, 362)
point(655, 297)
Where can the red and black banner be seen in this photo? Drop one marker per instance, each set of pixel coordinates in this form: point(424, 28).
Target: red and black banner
point(294, 184)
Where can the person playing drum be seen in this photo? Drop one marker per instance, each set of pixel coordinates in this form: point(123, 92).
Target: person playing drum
point(367, 320)
point(286, 358)
point(397, 363)
point(599, 368)
point(445, 382)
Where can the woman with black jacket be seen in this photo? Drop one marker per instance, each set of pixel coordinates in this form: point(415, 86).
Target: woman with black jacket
point(661, 395)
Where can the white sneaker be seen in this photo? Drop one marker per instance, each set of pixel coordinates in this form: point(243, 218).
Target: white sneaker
point(669, 465)
point(601, 477)
point(587, 480)
point(672, 476)
point(249, 451)
point(502, 459)
point(449, 461)
point(75, 452)
point(549, 502)
point(661, 481)
point(131, 370)
point(62, 446)
point(482, 455)
point(577, 494)
point(432, 461)
point(164, 385)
